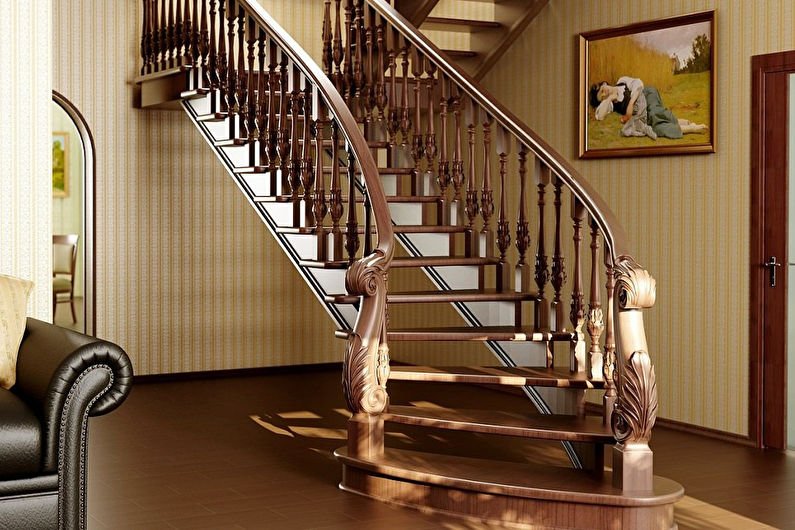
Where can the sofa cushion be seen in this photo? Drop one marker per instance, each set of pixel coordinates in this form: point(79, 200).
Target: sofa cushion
point(20, 437)
point(13, 308)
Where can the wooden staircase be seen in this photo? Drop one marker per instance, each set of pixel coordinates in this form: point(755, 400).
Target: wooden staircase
point(344, 164)
point(475, 34)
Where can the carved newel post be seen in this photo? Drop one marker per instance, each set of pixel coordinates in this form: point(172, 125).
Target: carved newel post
point(636, 407)
point(366, 367)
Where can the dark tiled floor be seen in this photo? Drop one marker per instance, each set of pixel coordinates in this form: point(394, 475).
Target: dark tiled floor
point(255, 452)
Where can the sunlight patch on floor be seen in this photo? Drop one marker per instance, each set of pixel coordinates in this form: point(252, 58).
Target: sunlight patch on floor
point(298, 415)
point(269, 426)
point(691, 513)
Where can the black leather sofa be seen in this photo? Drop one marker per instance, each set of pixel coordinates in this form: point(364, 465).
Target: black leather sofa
point(63, 377)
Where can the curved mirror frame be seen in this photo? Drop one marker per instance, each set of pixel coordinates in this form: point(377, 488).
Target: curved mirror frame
point(88, 204)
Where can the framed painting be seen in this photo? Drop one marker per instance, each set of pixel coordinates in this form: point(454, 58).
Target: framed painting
point(60, 164)
point(648, 88)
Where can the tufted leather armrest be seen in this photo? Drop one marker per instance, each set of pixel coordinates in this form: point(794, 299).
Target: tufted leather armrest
point(56, 365)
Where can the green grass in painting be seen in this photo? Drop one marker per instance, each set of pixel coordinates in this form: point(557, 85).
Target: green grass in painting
point(688, 98)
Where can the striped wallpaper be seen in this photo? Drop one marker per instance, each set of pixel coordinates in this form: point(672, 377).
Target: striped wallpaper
point(687, 215)
point(26, 155)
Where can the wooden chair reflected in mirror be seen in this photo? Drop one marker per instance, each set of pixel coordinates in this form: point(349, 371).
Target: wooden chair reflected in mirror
point(64, 257)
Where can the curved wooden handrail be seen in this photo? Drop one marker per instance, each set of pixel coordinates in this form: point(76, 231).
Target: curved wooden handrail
point(593, 202)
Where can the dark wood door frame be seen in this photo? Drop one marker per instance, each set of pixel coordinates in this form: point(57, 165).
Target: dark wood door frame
point(767, 362)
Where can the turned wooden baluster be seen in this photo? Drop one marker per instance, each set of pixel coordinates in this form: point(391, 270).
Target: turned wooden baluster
point(231, 77)
point(347, 76)
point(558, 264)
point(307, 170)
point(358, 62)
point(610, 395)
point(503, 280)
point(443, 175)
point(393, 121)
point(337, 50)
point(328, 61)
point(241, 85)
point(169, 36)
point(197, 33)
point(380, 88)
point(284, 122)
point(522, 228)
point(222, 68)
point(417, 141)
point(472, 206)
point(541, 272)
point(180, 48)
point(487, 194)
point(335, 206)
point(319, 206)
point(369, 77)
point(596, 322)
point(352, 225)
point(430, 136)
point(251, 99)
point(154, 50)
point(577, 314)
point(273, 124)
point(211, 53)
point(262, 104)
point(405, 121)
point(144, 38)
point(164, 55)
point(457, 172)
point(295, 159)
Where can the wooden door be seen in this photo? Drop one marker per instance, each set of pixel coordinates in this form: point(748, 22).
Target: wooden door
point(769, 253)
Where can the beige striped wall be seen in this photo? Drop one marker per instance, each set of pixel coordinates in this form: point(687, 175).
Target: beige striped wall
point(687, 215)
point(26, 154)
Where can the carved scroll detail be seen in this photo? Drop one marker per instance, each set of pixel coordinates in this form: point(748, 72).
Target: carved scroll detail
point(636, 408)
point(366, 366)
point(636, 287)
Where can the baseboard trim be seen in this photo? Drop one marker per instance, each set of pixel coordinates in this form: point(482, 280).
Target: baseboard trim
point(689, 428)
point(237, 372)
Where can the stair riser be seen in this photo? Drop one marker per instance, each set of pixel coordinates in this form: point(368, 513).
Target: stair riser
point(533, 514)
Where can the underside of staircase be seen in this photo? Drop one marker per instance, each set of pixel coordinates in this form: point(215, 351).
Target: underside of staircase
point(389, 160)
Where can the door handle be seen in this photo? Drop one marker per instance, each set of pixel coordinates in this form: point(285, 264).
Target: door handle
point(771, 265)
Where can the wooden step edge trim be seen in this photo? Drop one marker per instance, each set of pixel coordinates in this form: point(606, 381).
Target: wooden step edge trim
point(416, 374)
point(454, 21)
point(326, 169)
point(665, 491)
point(359, 199)
point(162, 73)
point(403, 263)
point(477, 334)
point(536, 432)
point(437, 297)
point(398, 229)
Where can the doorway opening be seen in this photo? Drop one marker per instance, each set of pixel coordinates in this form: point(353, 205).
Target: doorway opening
point(74, 164)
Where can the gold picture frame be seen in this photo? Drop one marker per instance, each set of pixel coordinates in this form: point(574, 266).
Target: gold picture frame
point(668, 67)
point(60, 164)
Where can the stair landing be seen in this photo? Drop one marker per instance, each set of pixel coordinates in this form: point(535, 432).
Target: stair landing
point(494, 492)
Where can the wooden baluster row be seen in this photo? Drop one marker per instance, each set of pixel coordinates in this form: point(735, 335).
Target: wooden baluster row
point(443, 175)
point(231, 77)
point(405, 120)
point(609, 399)
point(393, 120)
point(369, 78)
point(347, 75)
point(357, 42)
point(241, 84)
point(307, 170)
point(263, 85)
point(178, 40)
point(380, 90)
point(577, 314)
point(430, 135)
point(352, 225)
point(337, 49)
point(200, 38)
point(272, 144)
point(522, 228)
point(457, 172)
point(223, 66)
point(145, 36)
point(595, 317)
point(328, 61)
point(294, 179)
point(252, 133)
point(486, 193)
point(284, 128)
point(541, 273)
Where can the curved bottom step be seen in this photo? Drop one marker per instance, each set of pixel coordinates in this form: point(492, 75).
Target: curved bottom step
point(507, 493)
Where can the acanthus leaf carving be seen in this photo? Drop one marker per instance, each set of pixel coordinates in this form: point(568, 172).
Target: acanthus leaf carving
point(636, 408)
point(637, 289)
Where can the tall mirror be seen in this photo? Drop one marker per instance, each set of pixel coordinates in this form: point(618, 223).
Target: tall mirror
point(72, 218)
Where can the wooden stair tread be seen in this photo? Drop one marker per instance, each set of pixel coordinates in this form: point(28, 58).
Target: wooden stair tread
point(420, 261)
point(399, 229)
point(462, 295)
point(235, 142)
point(466, 333)
point(445, 23)
point(162, 73)
point(195, 93)
point(541, 426)
point(359, 198)
point(517, 479)
point(496, 375)
point(461, 54)
point(328, 169)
